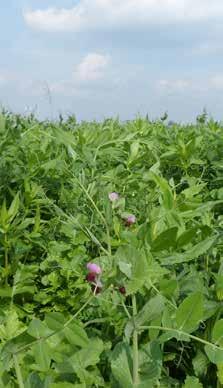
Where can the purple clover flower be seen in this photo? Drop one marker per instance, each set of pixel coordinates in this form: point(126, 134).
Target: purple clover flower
point(94, 268)
point(130, 220)
point(113, 196)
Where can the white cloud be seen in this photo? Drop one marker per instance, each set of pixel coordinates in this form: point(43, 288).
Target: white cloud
point(88, 14)
point(91, 68)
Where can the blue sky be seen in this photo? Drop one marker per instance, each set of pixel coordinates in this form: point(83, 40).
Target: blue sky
point(103, 58)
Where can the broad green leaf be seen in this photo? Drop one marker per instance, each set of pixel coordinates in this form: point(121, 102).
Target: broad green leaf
point(42, 355)
point(76, 335)
point(55, 321)
point(190, 313)
point(125, 268)
point(151, 310)
point(150, 363)
point(217, 333)
point(214, 354)
point(186, 237)
point(165, 240)
point(191, 254)
point(38, 329)
point(88, 356)
point(81, 360)
point(120, 366)
point(140, 273)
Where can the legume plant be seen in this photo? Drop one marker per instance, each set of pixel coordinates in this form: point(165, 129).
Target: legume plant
point(111, 253)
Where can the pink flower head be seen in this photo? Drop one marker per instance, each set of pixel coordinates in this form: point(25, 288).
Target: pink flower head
point(130, 220)
point(94, 268)
point(113, 196)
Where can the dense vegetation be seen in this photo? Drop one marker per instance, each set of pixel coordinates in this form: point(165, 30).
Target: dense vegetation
point(111, 244)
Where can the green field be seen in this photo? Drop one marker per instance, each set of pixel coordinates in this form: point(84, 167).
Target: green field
point(111, 253)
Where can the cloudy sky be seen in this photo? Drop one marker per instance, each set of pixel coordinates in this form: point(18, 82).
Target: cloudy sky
point(103, 58)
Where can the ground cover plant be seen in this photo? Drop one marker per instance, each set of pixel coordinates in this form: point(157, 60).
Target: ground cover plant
point(111, 248)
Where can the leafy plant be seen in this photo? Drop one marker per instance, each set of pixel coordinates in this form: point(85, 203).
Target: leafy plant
point(111, 253)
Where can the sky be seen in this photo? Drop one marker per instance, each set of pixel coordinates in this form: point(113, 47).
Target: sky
point(107, 58)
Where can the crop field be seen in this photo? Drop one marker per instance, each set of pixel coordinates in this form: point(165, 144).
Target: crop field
point(111, 253)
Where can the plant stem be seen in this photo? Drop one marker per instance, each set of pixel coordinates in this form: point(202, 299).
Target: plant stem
point(135, 347)
point(56, 331)
point(162, 328)
point(18, 372)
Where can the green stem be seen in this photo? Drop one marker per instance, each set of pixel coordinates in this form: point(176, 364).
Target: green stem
point(18, 372)
point(57, 331)
point(135, 347)
point(163, 328)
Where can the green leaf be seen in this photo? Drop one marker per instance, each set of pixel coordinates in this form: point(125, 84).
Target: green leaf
point(167, 195)
point(150, 364)
point(11, 327)
point(42, 355)
point(125, 268)
point(216, 355)
point(76, 335)
point(120, 366)
point(151, 310)
point(38, 329)
point(191, 254)
point(192, 382)
point(186, 237)
point(55, 321)
point(217, 333)
point(200, 363)
point(165, 240)
point(134, 150)
point(79, 361)
point(190, 313)
point(14, 208)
